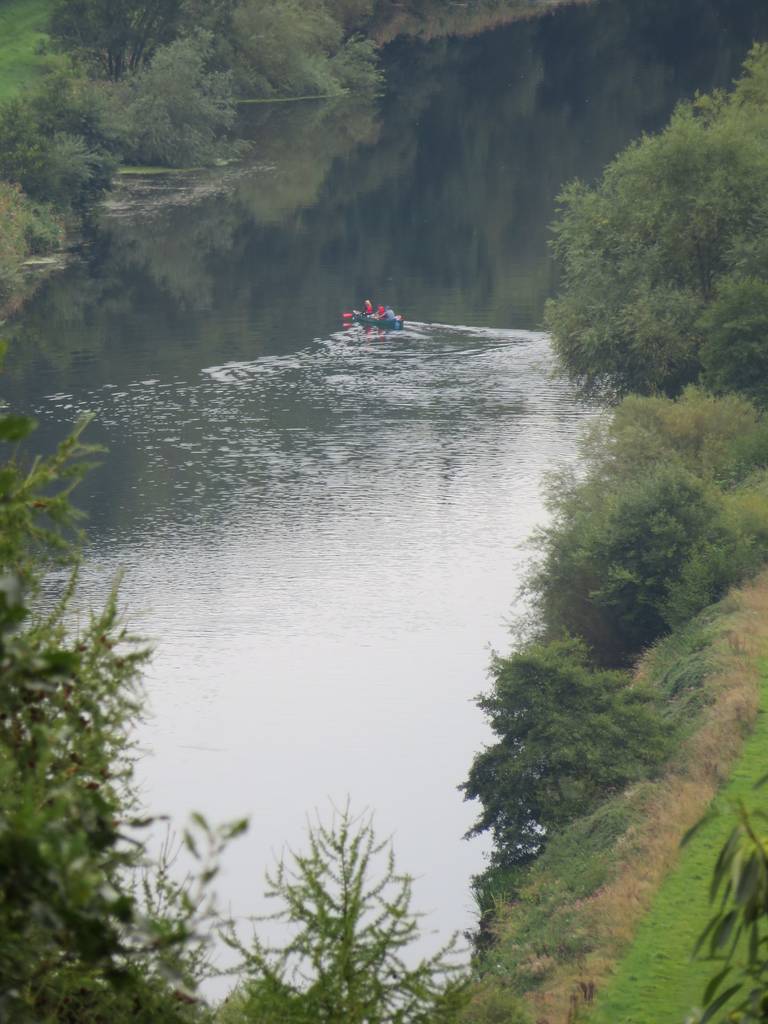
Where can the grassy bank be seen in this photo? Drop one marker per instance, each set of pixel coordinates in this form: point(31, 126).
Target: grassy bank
point(585, 904)
point(657, 983)
point(22, 31)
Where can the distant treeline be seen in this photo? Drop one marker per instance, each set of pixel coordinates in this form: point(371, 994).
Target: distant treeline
point(665, 292)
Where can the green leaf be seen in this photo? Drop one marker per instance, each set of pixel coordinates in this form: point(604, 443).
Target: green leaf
point(695, 828)
point(721, 1000)
point(714, 984)
point(237, 828)
point(190, 844)
point(724, 929)
point(703, 937)
point(747, 880)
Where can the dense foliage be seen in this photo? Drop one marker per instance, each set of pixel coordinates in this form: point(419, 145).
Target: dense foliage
point(655, 254)
point(114, 38)
point(668, 511)
point(664, 519)
point(568, 737)
point(27, 229)
point(56, 143)
point(174, 110)
point(286, 48)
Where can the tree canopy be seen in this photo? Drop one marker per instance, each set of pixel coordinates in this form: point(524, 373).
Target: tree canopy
point(116, 37)
point(676, 218)
point(658, 527)
point(568, 736)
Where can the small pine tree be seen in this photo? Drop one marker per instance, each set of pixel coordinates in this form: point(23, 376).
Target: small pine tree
point(345, 959)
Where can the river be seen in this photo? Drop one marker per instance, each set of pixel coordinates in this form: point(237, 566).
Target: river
point(322, 531)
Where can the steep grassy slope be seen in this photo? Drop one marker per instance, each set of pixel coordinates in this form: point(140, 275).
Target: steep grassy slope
point(22, 30)
point(564, 927)
point(657, 983)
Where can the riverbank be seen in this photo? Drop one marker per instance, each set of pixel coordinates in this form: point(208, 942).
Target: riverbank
point(586, 904)
point(657, 982)
point(27, 231)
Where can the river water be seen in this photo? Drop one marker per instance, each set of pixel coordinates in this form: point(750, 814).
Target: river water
point(322, 530)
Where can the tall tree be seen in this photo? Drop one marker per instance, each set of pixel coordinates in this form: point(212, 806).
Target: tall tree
point(115, 37)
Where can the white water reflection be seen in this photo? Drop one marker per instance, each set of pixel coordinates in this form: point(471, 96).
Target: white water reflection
point(322, 546)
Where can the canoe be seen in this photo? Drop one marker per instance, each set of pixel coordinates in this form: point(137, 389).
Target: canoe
point(385, 324)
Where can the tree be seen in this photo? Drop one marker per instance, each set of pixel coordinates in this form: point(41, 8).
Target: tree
point(644, 250)
point(57, 144)
point(568, 736)
point(301, 47)
point(735, 330)
point(81, 941)
point(618, 551)
point(660, 521)
point(115, 37)
point(351, 929)
point(174, 111)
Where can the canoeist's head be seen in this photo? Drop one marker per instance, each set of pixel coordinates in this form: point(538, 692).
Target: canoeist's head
point(381, 309)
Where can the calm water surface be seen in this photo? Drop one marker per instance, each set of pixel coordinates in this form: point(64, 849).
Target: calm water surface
point(322, 531)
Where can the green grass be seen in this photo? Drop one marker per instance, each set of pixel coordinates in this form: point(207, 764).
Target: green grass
point(22, 29)
point(656, 982)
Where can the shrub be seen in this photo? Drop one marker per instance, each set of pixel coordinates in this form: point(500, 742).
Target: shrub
point(24, 228)
point(175, 112)
point(644, 251)
point(56, 144)
point(735, 330)
point(80, 939)
point(716, 438)
point(655, 530)
point(355, 67)
point(568, 736)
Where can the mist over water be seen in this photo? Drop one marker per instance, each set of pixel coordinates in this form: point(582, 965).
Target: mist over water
point(322, 531)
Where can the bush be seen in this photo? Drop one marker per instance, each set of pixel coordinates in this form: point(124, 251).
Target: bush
point(89, 930)
point(355, 67)
point(56, 144)
point(644, 251)
point(735, 331)
point(654, 532)
point(720, 439)
point(346, 959)
point(175, 112)
point(568, 736)
point(24, 229)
